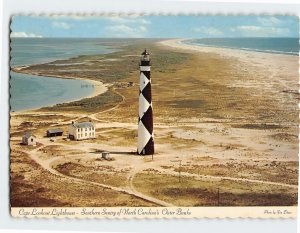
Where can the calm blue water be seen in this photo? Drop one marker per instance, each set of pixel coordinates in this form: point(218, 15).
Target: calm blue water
point(29, 91)
point(269, 45)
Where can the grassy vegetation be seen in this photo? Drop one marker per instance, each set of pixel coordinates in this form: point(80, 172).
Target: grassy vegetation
point(284, 172)
point(99, 103)
point(191, 192)
point(101, 174)
point(184, 85)
point(258, 126)
point(32, 186)
point(285, 137)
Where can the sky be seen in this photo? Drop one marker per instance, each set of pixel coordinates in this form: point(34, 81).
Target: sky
point(150, 26)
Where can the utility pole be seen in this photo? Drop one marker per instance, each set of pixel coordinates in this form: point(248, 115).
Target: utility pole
point(179, 171)
point(218, 196)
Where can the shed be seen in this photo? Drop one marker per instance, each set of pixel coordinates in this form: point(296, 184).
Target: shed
point(54, 132)
point(29, 139)
point(105, 155)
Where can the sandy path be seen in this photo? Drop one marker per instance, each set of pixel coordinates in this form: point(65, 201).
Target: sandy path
point(94, 115)
point(46, 164)
point(131, 177)
point(211, 178)
point(136, 169)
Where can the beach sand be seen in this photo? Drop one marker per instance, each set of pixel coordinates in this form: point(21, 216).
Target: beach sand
point(283, 68)
point(229, 116)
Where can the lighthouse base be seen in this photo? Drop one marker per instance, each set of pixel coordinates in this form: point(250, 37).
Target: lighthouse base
point(148, 149)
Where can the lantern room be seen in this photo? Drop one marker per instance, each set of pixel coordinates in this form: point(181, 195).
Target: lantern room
point(145, 58)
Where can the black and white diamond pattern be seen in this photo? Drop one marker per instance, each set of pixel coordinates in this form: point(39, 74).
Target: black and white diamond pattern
point(145, 125)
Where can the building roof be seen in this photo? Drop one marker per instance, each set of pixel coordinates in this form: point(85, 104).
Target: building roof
point(83, 125)
point(55, 130)
point(28, 135)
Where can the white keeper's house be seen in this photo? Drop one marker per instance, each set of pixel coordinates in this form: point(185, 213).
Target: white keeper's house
point(82, 130)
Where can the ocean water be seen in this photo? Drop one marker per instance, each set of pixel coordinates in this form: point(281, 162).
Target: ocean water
point(269, 45)
point(28, 51)
point(30, 91)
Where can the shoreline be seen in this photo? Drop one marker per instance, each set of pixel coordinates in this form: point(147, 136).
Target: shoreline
point(185, 42)
point(224, 51)
point(98, 88)
point(279, 66)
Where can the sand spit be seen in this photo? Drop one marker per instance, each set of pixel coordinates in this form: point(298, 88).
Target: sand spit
point(284, 66)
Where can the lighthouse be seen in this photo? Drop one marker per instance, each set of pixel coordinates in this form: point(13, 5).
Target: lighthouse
point(145, 123)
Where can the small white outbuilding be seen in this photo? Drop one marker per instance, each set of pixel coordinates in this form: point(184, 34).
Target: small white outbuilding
point(29, 139)
point(105, 155)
